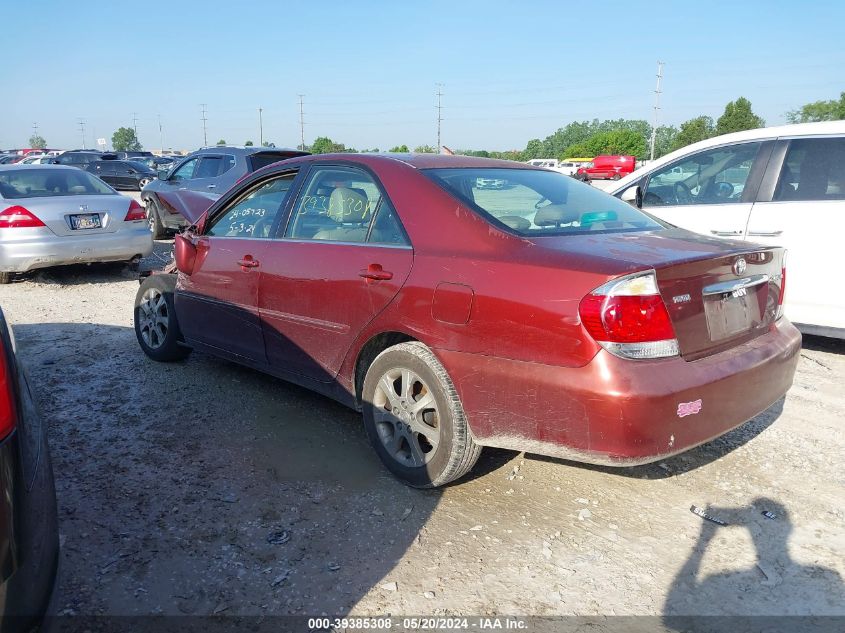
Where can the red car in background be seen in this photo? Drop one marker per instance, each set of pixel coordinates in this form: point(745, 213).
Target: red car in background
point(543, 316)
point(607, 167)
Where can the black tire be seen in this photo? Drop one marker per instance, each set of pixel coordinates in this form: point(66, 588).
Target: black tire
point(5, 278)
point(616, 177)
point(156, 326)
point(455, 453)
point(157, 228)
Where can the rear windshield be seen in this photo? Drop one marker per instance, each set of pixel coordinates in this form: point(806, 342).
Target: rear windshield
point(534, 202)
point(45, 183)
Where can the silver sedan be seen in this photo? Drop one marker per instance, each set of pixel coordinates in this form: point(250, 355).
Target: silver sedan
point(52, 215)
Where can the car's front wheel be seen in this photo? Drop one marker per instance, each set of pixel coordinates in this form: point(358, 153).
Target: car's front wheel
point(156, 325)
point(143, 183)
point(157, 227)
point(414, 418)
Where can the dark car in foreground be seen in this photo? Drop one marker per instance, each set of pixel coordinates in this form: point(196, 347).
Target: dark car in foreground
point(123, 174)
point(29, 541)
point(211, 171)
point(543, 316)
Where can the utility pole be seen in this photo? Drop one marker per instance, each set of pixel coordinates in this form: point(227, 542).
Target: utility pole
point(82, 130)
point(301, 124)
point(439, 117)
point(160, 136)
point(260, 128)
point(656, 108)
point(204, 129)
point(35, 129)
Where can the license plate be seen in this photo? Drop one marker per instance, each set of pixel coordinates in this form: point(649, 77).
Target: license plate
point(85, 221)
point(731, 313)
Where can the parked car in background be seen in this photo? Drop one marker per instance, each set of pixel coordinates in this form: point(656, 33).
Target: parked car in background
point(395, 285)
point(565, 167)
point(77, 158)
point(36, 159)
point(132, 155)
point(52, 215)
point(7, 159)
point(29, 536)
point(607, 167)
point(211, 171)
point(156, 163)
point(123, 174)
point(775, 186)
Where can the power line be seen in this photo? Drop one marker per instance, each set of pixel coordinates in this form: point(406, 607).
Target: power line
point(656, 108)
point(81, 123)
point(439, 116)
point(204, 128)
point(301, 124)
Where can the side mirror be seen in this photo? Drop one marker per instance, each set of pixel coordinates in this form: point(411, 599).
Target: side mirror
point(633, 195)
point(185, 253)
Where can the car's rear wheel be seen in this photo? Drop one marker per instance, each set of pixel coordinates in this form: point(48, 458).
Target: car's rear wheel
point(414, 418)
point(157, 227)
point(156, 326)
point(616, 176)
point(144, 182)
point(5, 278)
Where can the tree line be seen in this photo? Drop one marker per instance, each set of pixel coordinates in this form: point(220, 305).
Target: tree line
point(579, 138)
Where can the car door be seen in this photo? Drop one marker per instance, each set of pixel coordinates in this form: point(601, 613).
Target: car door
point(125, 175)
point(342, 258)
point(218, 302)
point(206, 177)
point(801, 205)
point(710, 191)
point(104, 170)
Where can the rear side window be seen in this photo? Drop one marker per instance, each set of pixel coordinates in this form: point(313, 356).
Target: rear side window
point(814, 169)
point(539, 202)
point(262, 160)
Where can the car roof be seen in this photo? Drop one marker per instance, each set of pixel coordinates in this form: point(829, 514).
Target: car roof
point(242, 151)
point(418, 161)
point(18, 166)
point(823, 128)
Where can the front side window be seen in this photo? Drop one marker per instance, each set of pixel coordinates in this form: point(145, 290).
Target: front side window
point(254, 213)
point(45, 183)
point(538, 202)
point(186, 170)
point(714, 176)
point(338, 204)
point(814, 169)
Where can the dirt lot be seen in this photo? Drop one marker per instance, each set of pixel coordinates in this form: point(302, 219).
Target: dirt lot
point(205, 488)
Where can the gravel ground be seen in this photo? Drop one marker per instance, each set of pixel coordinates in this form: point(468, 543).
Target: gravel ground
point(205, 488)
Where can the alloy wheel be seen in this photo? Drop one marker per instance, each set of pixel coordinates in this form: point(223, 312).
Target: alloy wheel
point(154, 318)
point(407, 417)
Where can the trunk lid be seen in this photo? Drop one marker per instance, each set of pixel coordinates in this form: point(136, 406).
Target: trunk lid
point(714, 302)
point(56, 212)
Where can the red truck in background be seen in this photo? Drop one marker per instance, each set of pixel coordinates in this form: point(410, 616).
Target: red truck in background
point(607, 167)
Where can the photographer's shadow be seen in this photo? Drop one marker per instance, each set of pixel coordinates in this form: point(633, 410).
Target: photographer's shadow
point(775, 586)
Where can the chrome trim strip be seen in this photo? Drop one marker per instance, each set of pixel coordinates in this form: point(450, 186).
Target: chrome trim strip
point(735, 284)
point(303, 320)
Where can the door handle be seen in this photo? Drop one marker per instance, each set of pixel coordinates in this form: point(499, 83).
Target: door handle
point(248, 262)
point(212, 186)
point(725, 233)
point(765, 233)
point(374, 272)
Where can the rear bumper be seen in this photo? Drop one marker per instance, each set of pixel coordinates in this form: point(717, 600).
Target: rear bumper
point(621, 412)
point(22, 255)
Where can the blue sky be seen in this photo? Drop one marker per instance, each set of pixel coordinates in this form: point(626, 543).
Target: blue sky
point(511, 71)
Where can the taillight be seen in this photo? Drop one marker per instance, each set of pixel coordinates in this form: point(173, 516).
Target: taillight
point(136, 212)
point(7, 399)
point(782, 286)
point(18, 217)
point(628, 318)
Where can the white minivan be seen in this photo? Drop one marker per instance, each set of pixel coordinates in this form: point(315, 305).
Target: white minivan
point(780, 186)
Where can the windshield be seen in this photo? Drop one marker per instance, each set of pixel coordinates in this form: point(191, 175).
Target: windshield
point(46, 183)
point(533, 202)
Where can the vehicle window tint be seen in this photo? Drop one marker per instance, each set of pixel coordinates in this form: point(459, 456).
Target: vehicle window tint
point(261, 159)
point(226, 163)
point(186, 170)
point(254, 213)
point(386, 227)
point(537, 202)
point(336, 204)
point(814, 169)
point(45, 183)
point(715, 176)
point(209, 167)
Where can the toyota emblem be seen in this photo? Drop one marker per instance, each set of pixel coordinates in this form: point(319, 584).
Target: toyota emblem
point(739, 266)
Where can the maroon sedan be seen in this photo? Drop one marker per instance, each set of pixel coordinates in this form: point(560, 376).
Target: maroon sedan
point(542, 315)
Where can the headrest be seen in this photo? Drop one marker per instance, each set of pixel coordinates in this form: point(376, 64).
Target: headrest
point(347, 205)
point(555, 215)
